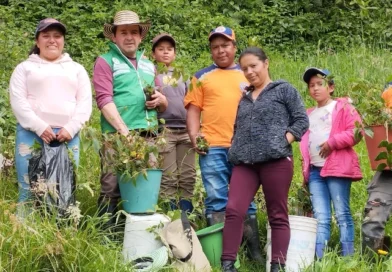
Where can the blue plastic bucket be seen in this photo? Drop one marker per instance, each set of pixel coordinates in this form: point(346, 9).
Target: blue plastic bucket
point(142, 196)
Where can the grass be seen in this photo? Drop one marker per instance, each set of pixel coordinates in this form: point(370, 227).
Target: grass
point(39, 245)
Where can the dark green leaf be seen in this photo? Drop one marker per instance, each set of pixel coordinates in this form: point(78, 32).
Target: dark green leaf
point(381, 166)
point(381, 156)
point(383, 143)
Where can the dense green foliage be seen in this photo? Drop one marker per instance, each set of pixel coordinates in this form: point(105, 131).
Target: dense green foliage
point(279, 24)
point(351, 38)
point(295, 28)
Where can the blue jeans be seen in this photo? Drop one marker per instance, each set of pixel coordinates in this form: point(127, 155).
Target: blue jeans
point(24, 142)
point(323, 190)
point(215, 173)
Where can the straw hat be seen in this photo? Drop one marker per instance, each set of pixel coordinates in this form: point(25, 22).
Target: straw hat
point(126, 17)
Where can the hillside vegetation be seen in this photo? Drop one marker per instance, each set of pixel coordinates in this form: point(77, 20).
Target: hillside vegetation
point(353, 39)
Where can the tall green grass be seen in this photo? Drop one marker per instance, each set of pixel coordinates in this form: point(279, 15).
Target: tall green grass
point(39, 245)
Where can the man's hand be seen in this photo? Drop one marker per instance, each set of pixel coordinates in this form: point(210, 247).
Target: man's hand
point(123, 129)
point(157, 99)
point(325, 150)
point(63, 136)
point(194, 144)
point(48, 135)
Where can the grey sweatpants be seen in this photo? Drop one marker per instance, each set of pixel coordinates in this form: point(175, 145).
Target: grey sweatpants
point(377, 210)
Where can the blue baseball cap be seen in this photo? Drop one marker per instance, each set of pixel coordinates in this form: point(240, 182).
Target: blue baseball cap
point(223, 31)
point(312, 71)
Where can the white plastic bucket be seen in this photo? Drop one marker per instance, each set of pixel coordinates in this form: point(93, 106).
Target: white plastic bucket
point(139, 240)
point(302, 243)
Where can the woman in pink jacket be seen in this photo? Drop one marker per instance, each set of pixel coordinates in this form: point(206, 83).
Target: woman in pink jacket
point(51, 98)
point(330, 163)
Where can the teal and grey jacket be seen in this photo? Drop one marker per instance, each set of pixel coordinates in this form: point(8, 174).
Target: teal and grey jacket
point(128, 94)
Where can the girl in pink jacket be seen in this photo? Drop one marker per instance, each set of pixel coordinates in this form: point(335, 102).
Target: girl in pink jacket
point(330, 163)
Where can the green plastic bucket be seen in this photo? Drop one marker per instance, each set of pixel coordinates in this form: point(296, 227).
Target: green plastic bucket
point(143, 197)
point(211, 239)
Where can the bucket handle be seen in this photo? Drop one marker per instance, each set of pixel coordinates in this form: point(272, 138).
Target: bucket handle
point(188, 233)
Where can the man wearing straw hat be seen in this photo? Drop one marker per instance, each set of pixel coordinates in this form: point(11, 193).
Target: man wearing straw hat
point(119, 78)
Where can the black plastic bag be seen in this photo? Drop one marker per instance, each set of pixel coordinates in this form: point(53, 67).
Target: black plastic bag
point(52, 177)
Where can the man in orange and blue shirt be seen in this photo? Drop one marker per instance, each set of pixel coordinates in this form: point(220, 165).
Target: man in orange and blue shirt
point(213, 100)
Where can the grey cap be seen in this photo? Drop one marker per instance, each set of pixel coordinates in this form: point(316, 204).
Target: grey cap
point(45, 23)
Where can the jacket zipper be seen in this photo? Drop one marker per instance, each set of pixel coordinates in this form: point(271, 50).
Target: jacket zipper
point(250, 128)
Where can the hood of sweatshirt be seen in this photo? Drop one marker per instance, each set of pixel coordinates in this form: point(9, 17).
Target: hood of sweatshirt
point(37, 59)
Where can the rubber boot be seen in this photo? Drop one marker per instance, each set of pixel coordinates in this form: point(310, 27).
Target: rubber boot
point(320, 247)
point(110, 208)
point(347, 248)
point(215, 218)
point(371, 245)
point(276, 267)
point(186, 205)
point(386, 243)
point(228, 266)
point(252, 239)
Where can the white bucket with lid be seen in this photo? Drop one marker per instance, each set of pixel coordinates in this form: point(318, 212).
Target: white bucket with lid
point(302, 243)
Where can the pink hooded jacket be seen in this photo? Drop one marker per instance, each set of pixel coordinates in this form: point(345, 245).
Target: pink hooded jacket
point(343, 161)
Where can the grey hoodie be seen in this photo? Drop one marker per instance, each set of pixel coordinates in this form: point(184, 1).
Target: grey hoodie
point(175, 114)
point(261, 125)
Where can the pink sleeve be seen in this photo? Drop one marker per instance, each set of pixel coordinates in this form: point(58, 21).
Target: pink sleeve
point(345, 138)
point(21, 107)
point(103, 82)
point(83, 103)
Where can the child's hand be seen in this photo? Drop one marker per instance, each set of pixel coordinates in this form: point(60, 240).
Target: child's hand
point(325, 150)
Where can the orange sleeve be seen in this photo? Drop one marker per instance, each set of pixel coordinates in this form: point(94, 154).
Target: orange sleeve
point(387, 96)
point(195, 94)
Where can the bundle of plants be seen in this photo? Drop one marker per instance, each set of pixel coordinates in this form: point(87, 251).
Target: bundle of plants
point(133, 154)
point(368, 101)
point(172, 75)
point(202, 144)
point(376, 125)
point(149, 90)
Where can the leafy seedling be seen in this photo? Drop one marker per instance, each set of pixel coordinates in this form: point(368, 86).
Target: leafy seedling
point(149, 91)
point(202, 144)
